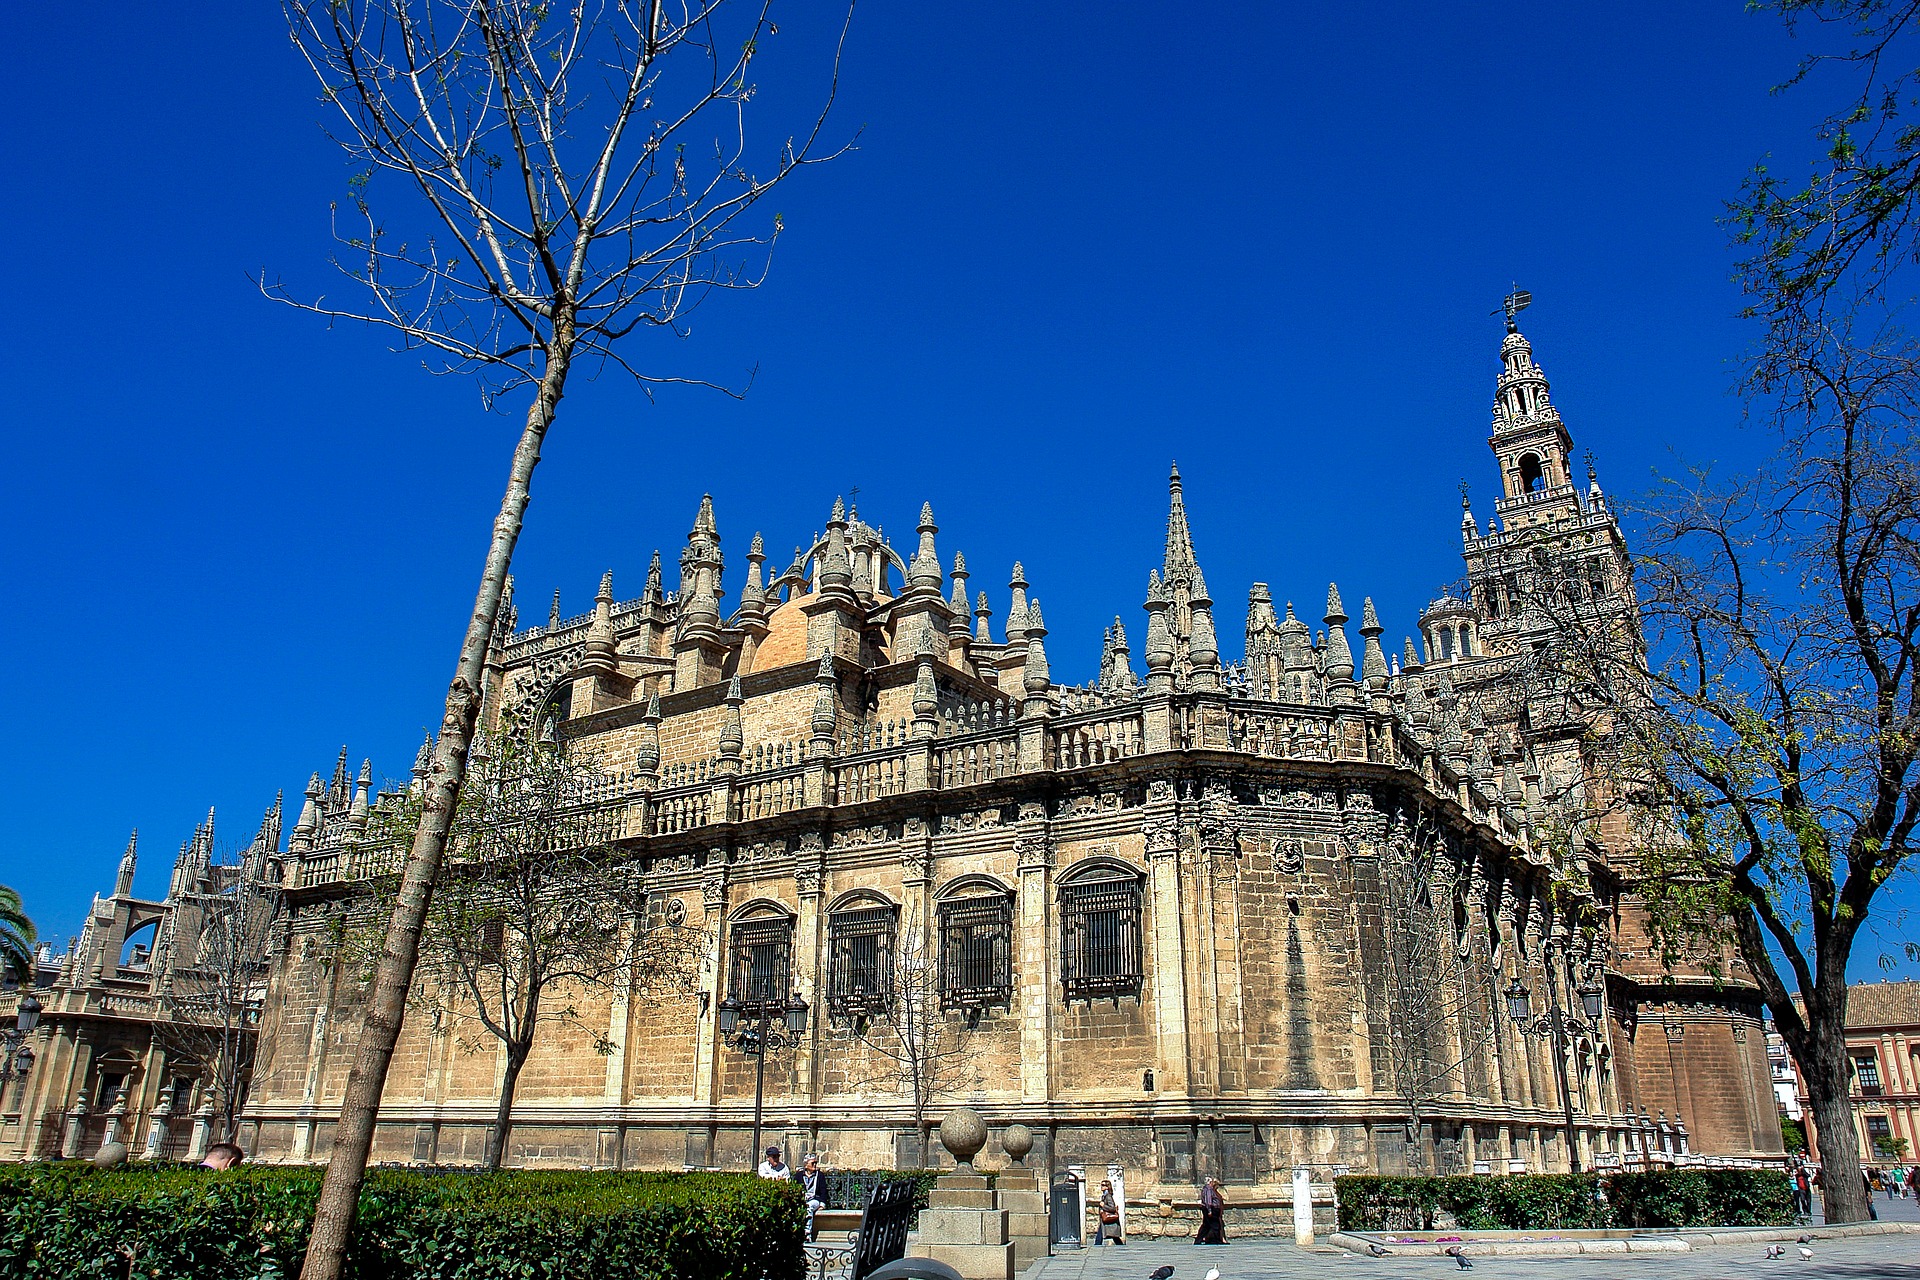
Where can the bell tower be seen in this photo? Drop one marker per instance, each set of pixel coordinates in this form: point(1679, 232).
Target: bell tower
point(1529, 439)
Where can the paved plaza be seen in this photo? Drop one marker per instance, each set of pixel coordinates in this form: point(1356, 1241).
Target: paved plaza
point(1896, 1256)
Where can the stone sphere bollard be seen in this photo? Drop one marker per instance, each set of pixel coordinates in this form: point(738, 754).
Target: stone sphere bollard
point(1016, 1140)
point(963, 1133)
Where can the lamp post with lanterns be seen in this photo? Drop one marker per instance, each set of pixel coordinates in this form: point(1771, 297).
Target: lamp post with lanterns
point(1561, 1027)
point(759, 1034)
point(16, 1054)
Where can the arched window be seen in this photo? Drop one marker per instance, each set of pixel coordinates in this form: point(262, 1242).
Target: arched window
point(137, 951)
point(1466, 641)
point(1532, 478)
point(861, 939)
point(1100, 952)
point(760, 963)
point(976, 949)
point(1446, 644)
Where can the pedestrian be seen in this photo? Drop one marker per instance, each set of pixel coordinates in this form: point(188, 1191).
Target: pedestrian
point(223, 1155)
point(1802, 1192)
point(772, 1167)
point(813, 1186)
point(1109, 1216)
point(1213, 1214)
point(1896, 1183)
point(1866, 1180)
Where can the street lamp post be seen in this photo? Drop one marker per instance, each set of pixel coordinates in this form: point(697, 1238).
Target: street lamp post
point(1560, 1027)
point(759, 1036)
point(16, 1054)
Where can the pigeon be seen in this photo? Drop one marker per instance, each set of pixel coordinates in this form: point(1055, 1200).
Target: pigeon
point(1160, 1273)
point(1213, 1273)
point(1465, 1263)
point(1804, 1240)
point(1775, 1251)
point(1806, 1254)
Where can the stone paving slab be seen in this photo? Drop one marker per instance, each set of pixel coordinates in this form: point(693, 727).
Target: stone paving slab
point(1891, 1256)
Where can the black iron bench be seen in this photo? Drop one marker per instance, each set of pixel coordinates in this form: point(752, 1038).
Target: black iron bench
point(880, 1238)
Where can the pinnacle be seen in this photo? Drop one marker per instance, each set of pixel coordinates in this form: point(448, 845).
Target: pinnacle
point(733, 690)
point(1369, 620)
point(1335, 612)
point(1019, 578)
point(606, 587)
point(1034, 625)
point(959, 564)
point(839, 515)
point(926, 517)
point(757, 547)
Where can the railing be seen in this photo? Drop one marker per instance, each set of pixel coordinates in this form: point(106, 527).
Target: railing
point(962, 763)
point(977, 717)
point(674, 812)
point(763, 796)
point(867, 778)
point(1280, 735)
point(1078, 744)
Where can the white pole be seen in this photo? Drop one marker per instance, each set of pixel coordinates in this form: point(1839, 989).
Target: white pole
point(1302, 1206)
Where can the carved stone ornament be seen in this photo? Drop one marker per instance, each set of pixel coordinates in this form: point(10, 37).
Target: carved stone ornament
point(1289, 855)
point(809, 879)
point(1159, 789)
point(1163, 836)
point(1112, 800)
point(1080, 806)
point(713, 892)
point(1032, 811)
point(963, 1133)
point(915, 828)
point(811, 842)
point(1033, 852)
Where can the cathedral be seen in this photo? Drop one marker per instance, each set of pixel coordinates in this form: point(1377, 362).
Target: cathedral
point(1166, 909)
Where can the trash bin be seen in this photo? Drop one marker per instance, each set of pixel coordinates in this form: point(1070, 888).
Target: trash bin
point(1065, 1225)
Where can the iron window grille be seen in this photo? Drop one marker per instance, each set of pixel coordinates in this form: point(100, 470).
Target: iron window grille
point(976, 953)
point(860, 961)
point(761, 964)
point(1100, 937)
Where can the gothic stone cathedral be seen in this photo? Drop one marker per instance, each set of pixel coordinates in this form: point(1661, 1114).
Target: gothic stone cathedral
point(1159, 899)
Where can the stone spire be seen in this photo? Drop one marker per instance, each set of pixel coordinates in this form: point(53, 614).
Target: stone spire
point(1036, 678)
point(553, 614)
point(123, 883)
point(653, 594)
point(1339, 666)
point(646, 756)
point(307, 828)
point(1203, 649)
point(1373, 661)
point(357, 816)
point(926, 691)
point(1179, 560)
point(1159, 650)
point(602, 656)
point(422, 767)
point(732, 739)
point(923, 571)
point(266, 841)
point(958, 602)
point(983, 620)
point(700, 567)
point(753, 596)
point(836, 565)
point(826, 706)
point(337, 791)
point(1017, 612)
point(1116, 664)
point(1468, 528)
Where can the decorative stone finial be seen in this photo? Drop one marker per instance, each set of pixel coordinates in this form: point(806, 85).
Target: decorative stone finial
point(963, 1133)
point(1016, 1140)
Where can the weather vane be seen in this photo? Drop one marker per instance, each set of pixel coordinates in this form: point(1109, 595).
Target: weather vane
point(1513, 304)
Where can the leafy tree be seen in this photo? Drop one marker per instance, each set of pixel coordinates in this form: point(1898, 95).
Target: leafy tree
point(1794, 1135)
point(16, 936)
point(563, 176)
point(1892, 1148)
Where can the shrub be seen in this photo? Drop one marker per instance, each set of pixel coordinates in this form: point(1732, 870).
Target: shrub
point(1568, 1202)
point(251, 1224)
point(847, 1188)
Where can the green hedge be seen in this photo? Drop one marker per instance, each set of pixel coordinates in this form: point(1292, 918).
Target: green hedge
point(1568, 1202)
point(71, 1220)
point(847, 1188)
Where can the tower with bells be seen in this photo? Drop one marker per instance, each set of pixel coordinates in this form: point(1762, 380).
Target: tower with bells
point(1552, 544)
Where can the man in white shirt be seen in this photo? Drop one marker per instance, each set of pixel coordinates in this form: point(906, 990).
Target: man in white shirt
point(772, 1167)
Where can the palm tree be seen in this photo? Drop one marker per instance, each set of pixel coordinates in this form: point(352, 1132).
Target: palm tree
point(16, 937)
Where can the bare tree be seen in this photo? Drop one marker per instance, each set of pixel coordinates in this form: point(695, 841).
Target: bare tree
point(564, 175)
point(536, 909)
point(914, 1045)
point(212, 994)
point(1439, 1015)
point(1765, 748)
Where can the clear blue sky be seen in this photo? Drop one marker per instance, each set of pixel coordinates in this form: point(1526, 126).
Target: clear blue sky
point(1077, 240)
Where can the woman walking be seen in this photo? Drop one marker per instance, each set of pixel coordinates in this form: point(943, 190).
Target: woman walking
point(1213, 1214)
point(1109, 1216)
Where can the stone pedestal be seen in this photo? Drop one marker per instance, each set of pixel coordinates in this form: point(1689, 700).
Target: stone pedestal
point(1024, 1201)
point(961, 1227)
